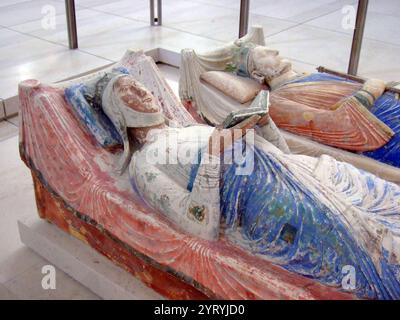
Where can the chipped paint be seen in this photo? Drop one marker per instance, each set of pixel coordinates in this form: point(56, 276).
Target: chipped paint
point(74, 190)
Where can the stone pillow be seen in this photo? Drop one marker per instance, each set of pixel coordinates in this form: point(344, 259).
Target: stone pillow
point(95, 120)
point(239, 88)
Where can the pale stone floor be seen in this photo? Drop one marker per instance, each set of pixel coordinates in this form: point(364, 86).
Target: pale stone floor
point(310, 33)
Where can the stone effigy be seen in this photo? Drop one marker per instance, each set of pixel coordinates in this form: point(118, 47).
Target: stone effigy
point(260, 228)
point(331, 110)
point(290, 209)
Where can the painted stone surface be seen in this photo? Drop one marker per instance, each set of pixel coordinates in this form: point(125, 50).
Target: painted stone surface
point(312, 216)
point(352, 122)
point(76, 171)
point(155, 276)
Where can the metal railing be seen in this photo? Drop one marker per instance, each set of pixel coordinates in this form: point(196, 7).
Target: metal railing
point(156, 20)
point(358, 37)
point(71, 24)
point(244, 17)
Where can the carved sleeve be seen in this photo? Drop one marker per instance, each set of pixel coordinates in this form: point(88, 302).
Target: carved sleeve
point(193, 208)
point(203, 202)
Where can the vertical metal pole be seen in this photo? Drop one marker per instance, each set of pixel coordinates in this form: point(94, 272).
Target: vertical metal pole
point(71, 24)
point(244, 17)
point(156, 20)
point(159, 12)
point(358, 37)
point(152, 12)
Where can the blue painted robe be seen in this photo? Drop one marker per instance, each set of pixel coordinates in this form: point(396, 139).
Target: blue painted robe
point(275, 215)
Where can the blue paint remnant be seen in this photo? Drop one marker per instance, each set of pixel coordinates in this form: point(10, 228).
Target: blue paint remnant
point(121, 70)
point(95, 120)
point(386, 108)
point(315, 77)
point(277, 217)
point(194, 169)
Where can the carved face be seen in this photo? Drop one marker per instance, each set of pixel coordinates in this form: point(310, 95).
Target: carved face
point(269, 63)
point(135, 95)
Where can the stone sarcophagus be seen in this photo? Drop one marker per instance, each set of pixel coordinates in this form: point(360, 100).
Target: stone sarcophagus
point(77, 190)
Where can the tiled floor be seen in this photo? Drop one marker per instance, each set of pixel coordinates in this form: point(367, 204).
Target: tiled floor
point(310, 33)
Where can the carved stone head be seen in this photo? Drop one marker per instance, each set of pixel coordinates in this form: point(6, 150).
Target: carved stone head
point(141, 110)
point(268, 63)
point(135, 95)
